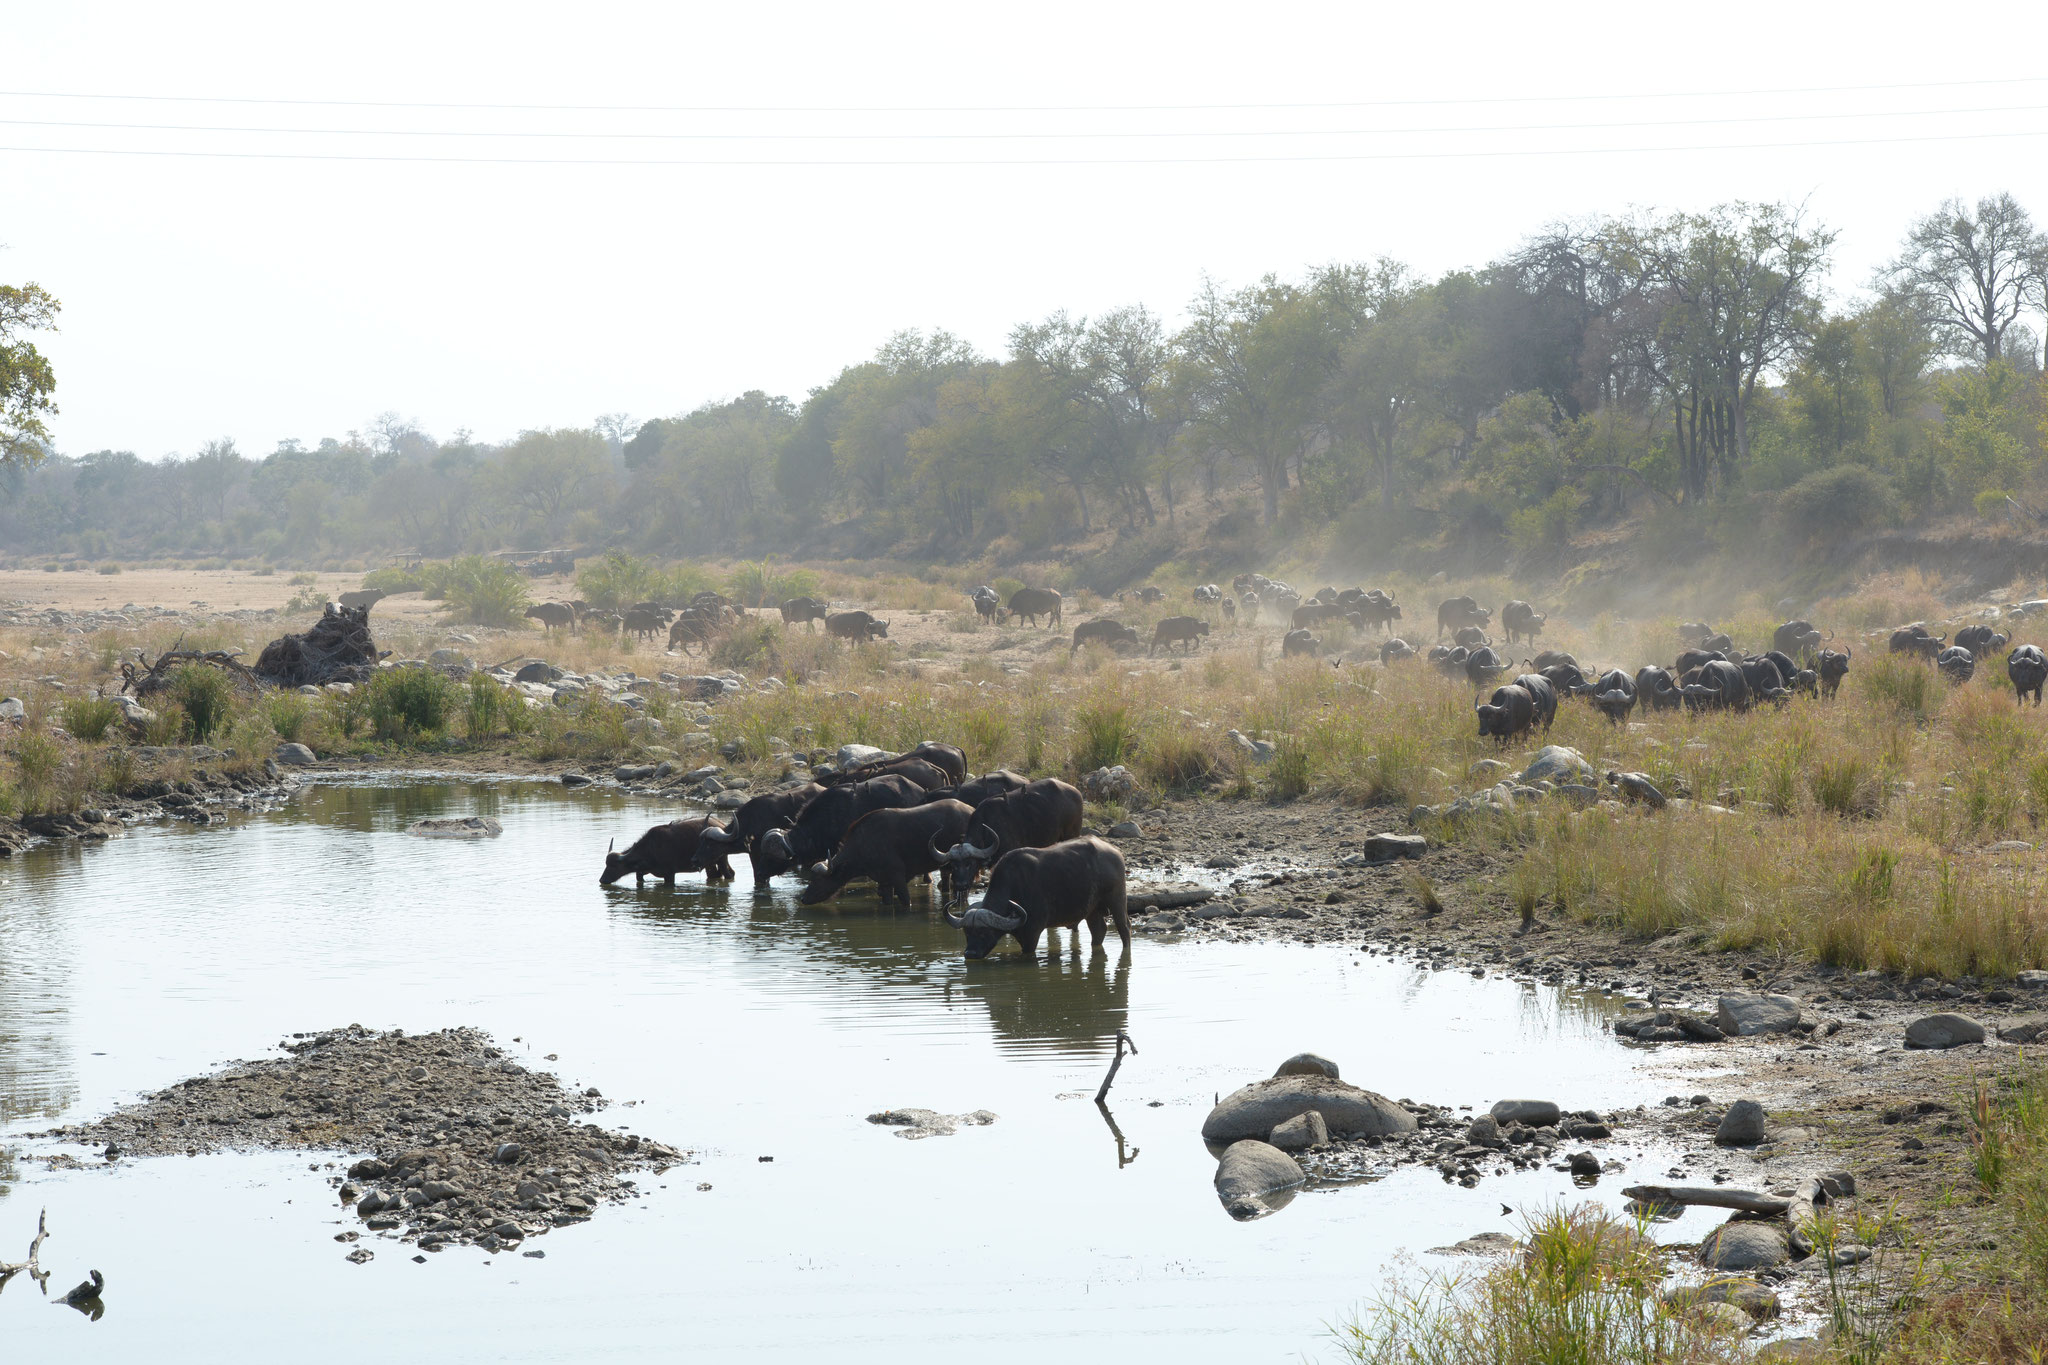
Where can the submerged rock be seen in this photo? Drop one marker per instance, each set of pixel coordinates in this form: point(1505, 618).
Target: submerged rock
point(1250, 1174)
point(1534, 1113)
point(1257, 1109)
point(914, 1124)
point(457, 827)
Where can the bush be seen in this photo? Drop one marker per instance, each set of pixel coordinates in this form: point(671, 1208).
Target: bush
point(404, 702)
point(489, 703)
point(1906, 685)
point(486, 592)
point(108, 569)
point(1845, 499)
point(36, 762)
point(759, 585)
point(1105, 734)
point(749, 647)
point(204, 694)
point(618, 581)
point(89, 718)
point(288, 713)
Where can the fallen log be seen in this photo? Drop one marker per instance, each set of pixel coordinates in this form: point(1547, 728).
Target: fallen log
point(1167, 897)
point(138, 681)
point(1708, 1196)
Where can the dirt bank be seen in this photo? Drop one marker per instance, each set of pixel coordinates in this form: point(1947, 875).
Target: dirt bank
point(465, 1146)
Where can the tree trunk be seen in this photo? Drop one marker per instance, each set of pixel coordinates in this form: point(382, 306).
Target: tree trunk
point(1269, 471)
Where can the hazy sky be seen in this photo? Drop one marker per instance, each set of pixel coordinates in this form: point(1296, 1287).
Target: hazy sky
point(262, 298)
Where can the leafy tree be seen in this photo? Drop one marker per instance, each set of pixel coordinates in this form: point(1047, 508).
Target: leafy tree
point(1973, 272)
point(27, 380)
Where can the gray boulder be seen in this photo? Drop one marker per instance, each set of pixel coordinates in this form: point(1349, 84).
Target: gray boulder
point(2032, 981)
point(1742, 1125)
point(1745, 1016)
point(1301, 1132)
point(1307, 1064)
point(1556, 763)
point(1751, 1244)
point(1262, 1106)
point(11, 708)
point(2025, 1031)
point(1251, 1174)
point(1484, 1132)
point(850, 755)
point(537, 672)
point(457, 827)
point(1752, 1298)
point(1385, 848)
point(1109, 784)
point(293, 755)
point(1125, 829)
point(1938, 1031)
point(1534, 1113)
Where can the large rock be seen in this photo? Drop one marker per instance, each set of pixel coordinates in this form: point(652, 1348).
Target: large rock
point(1262, 1106)
point(850, 755)
point(1301, 1132)
point(1534, 1113)
point(1751, 1244)
point(452, 659)
point(1744, 1016)
point(293, 755)
point(1307, 1064)
point(1938, 1031)
point(2024, 1031)
point(457, 827)
point(537, 672)
point(1742, 1125)
point(12, 709)
point(1385, 848)
point(1484, 1131)
point(1556, 763)
point(2032, 981)
point(1251, 1173)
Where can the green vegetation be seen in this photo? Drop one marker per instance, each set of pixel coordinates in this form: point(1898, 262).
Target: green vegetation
point(405, 703)
point(27, 380)
point(89, 718)
point(204, 695)
point(1686, 368)
point(486, 592)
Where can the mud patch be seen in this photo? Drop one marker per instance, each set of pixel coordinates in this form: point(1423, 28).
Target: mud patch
point(467, 1147)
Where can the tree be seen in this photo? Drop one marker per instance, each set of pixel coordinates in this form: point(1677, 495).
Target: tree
point(1974, 273)
point(551, 475)
point(26, 377)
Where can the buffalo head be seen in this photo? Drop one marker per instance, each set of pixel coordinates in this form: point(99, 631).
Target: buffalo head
point(986, 926)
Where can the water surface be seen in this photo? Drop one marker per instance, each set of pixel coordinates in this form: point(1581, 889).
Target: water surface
point(737, 1025)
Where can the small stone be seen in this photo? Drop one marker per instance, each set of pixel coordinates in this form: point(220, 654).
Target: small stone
point(1937, 1031)
point(1741, 1126)
point(507, 1153)
point(360, 1256)
point(1250, 1174)
point(457, 827)
point(1125, 829)
point(1300, 1133)
point(1534, 1113)
point(418, 1073)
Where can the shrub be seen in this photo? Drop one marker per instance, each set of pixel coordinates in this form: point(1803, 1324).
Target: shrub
point(1176, 760)
point(205, 695)
point(1105, 733)
point(37, 760)
point(486, 592)
point(489, 703)
point(108, 569)
point(1832, 502)
point(618, 581)
point(307, 580)
point(759, 585)
point(89, 718)
point(749, 647)
point(1906, 685)
point(404, 702)
point(288, 713)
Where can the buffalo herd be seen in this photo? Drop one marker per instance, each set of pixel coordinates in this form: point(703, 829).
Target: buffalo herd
point(898, 820)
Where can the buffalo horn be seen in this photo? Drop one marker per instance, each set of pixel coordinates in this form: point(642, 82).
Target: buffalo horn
point(939, 854)
point(979, 853)
point(609, 845)
point(719, 834)
point(957, 921)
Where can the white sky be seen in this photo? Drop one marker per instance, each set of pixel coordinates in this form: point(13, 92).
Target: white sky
point(265, 298)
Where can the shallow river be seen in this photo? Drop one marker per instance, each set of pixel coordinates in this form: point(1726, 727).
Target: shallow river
point(740, 1027)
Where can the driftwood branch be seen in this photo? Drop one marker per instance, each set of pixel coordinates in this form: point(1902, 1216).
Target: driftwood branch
point(1708, 1196)
point(1123, 1040)
point(140, 682)
point(9, 1269)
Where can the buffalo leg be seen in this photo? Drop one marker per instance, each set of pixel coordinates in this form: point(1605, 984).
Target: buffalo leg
point(1028, 940)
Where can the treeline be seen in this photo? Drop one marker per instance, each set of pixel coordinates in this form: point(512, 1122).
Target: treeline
point(1676, 360)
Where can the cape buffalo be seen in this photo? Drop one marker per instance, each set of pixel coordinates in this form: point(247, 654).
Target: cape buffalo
point(988, 604)
point(775, 810)
point(645, 623)
point(1396, 649)
point(1982, 641)
point(976, 790)
point(1378, 610)
point(1472, 637)
point(1550, 658)
point(855, 625)
point(815, 833)
point(1542, 697)
point(1031, 603)
point(1300, 642)
point(1482, 666)
point(949, 759)
point(1208, 594)
point(1799, 639)
point(1957, 664)
point(667, 850)
point(1229, 605)
point(1565, 679)
point(1724, 645)
point(1655, 689)
point(1038, 815)
point(1449, 659)
point(1614, 693)
point(1695, 631)
point(552, 615)
point(1716, 685)
point(1690, 659)
point(1761, 675)
point(808, 610)
point(1035, 889)
point(1832, 666)
point(2027, 666)
point(1916, 640)
point(1510, 712)
point(1460, 611)
point(891, 848)
point(1518, 618)
point(1187, 630)
point(692, 627)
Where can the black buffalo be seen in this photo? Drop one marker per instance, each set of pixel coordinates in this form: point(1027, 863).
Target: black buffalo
point(1656, 690)
point(1981, 641)
point(1472, 637)
point(1510, 712)
point(2027, 666)
point(855, 625)
point(1518, 618)
point(1614, 693)
point(1482, 666)
point(1395, 650)
point(1717, 684)
point(808, 610)
point(1460, 611)
point(1032, 603)
point(976, 790)
point(1542, 697)
point(1799, 639)
point(1300, 642)
point(891, 848)
point(1957, 664)
point(949, 759)
point(774, 810)
point(1377, 609)
point(667, 851)
point(1832, 666)
point(1918, 641)
point(1035, 889)
point(1036, 815)
point(1104, 631)
point(1187, 630)
point(815, 833)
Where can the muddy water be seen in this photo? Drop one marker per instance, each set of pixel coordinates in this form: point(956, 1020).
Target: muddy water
point(733, 1023)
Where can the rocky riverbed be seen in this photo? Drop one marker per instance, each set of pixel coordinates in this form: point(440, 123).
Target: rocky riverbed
point(461, 1144)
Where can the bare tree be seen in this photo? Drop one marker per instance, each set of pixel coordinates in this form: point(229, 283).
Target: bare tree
point(1974, 272)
